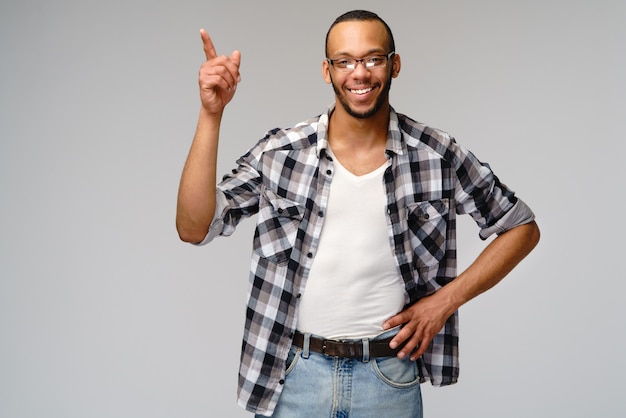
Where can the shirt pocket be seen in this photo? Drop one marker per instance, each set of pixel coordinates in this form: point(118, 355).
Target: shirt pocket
point(277, 227)
point(427, 223)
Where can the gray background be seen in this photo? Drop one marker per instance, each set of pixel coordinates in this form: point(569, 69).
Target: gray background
point(104, 313)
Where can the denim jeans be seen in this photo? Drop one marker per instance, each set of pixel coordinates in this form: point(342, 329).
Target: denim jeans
point(320, 386)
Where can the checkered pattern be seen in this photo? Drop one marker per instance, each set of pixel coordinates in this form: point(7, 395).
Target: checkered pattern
point(285, 180)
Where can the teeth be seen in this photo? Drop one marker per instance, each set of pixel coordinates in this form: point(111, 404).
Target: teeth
point(362, 91)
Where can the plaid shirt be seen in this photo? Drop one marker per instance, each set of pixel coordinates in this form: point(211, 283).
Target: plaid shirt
point(285, 179)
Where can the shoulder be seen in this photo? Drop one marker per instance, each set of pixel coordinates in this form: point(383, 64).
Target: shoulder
point(421, 137)
point(299, 136)
point(295, 141)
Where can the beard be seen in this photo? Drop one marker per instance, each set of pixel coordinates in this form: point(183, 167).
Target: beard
point(380, 100)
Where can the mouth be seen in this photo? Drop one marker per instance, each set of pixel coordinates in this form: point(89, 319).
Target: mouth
point(360, 92)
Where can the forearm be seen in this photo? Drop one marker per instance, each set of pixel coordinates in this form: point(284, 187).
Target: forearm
point(491, 266)
point(196, 192)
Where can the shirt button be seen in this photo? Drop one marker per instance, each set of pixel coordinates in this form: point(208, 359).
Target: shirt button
point(310, 255)
point(426, 216)
point(299, 295)
point(329, 172)
point(281, 381)
point(320, 214)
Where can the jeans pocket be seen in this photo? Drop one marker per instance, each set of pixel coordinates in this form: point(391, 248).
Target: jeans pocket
point(292, 358)
point(399, 373)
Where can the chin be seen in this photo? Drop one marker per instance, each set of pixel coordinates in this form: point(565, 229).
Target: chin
point(361, 115)
point(366, 113)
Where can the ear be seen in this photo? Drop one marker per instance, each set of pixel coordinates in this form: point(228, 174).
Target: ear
point(397, 63)
point(326, 72)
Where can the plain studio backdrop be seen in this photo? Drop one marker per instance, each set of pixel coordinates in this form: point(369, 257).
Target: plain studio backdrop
point(105, 313)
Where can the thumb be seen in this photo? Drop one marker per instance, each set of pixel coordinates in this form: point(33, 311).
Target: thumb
point(236, 58)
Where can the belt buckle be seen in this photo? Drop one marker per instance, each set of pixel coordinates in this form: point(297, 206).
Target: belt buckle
point(339, 348)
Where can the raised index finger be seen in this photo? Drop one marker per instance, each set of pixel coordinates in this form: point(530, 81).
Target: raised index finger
point(209, 49)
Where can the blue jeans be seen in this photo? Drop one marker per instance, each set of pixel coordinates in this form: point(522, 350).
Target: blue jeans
point(320, 386)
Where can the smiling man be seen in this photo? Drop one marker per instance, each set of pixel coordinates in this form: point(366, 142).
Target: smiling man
point(354, 292)
point(363, 85)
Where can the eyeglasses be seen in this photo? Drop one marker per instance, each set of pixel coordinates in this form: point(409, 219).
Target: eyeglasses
point(371, 62)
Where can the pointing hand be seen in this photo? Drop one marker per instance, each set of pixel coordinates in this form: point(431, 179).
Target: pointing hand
point(218, 76)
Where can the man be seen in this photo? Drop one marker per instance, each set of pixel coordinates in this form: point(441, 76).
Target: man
point(354, 292)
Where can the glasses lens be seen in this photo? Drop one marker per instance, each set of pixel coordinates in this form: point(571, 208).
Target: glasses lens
point(374, 62)
point(349, 64)
point(345, 64)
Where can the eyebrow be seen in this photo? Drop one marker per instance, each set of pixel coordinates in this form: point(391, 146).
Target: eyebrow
point(373, 51)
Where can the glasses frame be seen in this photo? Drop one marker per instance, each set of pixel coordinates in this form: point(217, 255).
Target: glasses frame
point(360, 60)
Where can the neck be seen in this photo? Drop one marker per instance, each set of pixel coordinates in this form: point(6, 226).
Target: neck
point(360, 132)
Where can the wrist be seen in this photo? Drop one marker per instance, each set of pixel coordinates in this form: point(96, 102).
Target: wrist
point(450, 297)
point(209, 115)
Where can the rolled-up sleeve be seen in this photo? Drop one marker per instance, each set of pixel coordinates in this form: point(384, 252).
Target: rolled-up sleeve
point(519, 214)
point(217, 224)
point(237, 196)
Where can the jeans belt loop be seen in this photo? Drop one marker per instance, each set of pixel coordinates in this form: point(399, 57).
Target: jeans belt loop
point(305, 345)
point(366, 350)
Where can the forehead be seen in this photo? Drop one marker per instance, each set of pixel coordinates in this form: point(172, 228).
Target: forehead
point(357, 38)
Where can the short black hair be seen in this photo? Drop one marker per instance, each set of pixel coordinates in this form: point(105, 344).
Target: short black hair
point(361, 15)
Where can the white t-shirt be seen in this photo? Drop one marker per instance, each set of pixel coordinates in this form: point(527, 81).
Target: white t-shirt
point(354, 285)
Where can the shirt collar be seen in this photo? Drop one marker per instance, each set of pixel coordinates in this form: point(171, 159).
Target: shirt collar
point(395, 143)
point(394, 136)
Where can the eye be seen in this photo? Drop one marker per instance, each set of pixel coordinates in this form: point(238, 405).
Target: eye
point(375, 61)
point(342, 63)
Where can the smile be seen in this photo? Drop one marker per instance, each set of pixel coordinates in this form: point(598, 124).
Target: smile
point(361, 91)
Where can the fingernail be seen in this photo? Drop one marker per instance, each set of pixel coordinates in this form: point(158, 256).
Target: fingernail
point(393, 345)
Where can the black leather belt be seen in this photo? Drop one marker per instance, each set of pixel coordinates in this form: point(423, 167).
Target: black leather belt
point(349, 349)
